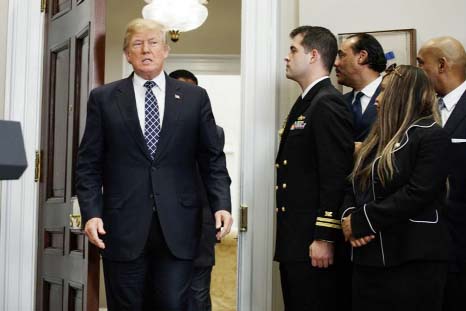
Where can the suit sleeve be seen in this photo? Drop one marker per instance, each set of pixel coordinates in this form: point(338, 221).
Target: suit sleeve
point(427, 178)
point(334, 144)
point(211, 159)
point(89, 163)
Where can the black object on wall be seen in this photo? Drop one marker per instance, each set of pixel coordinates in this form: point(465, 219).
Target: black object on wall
point(12, 153)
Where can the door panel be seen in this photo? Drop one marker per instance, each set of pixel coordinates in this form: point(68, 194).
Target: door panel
point(60, 72)
point(68, 266)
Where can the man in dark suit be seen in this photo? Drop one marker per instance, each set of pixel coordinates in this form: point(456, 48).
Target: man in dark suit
point(314, 158)
point(136, 177)
point(358, 65)
point(200, 285)
point(444, 61)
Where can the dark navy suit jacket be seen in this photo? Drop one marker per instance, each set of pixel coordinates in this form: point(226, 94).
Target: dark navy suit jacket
point(368, 117)
point(119, 182)
point(206, 256)
point(455, 212)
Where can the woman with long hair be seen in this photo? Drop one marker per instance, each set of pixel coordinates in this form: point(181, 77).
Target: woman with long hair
point(391, 215)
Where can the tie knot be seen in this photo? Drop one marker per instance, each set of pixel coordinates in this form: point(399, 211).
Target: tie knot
point(149, 85)
point(441, 103)
point(358, 96)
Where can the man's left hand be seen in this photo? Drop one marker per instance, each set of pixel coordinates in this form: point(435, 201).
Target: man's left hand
point(223, 222)
point(321, 253)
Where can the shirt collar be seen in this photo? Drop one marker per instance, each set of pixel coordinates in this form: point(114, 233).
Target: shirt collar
point(369, 90)
point(159, 80)
point(452, 98)
point(311, 85)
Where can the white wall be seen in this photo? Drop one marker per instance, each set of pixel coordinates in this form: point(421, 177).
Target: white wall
point(3, 38)
point(225, 95)
point(430, 18)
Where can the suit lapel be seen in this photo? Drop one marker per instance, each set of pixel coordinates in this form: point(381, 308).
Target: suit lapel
point(173, 104)
point(457, 115)
point(126, 102)
point(371, 110)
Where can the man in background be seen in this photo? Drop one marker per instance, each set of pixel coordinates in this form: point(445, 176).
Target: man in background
point(313, 161)
point(358, 65)
point(200, 286)
point(444, 61)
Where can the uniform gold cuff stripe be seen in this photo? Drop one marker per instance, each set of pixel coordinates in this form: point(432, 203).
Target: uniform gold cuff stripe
point(324, 224)
point(335, 221)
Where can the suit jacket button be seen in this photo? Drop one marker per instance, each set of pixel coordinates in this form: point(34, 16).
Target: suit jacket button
point(276, 187)
point(285, 162)
point(277, 165)
point(284, 186)
point(283, 209)
point(151, 196)
point(276, 209)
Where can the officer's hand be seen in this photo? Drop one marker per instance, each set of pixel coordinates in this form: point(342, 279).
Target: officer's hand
point(223, 219)
point(321, 253)
point(93, 228)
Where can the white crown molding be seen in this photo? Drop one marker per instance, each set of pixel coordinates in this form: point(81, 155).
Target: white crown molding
point(19, 204)
point(199, 64)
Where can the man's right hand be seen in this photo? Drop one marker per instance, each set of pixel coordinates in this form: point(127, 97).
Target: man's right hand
point(93, 228)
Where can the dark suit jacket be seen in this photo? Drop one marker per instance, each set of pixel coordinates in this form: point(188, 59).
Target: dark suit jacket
point(314, 158)
point(118, 181)
point(206, 255)
point(368, 117)
point(455, 212)
point(403, 214)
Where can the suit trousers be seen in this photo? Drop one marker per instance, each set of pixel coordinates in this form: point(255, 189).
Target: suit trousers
point(156, 280)
point(411, 286)
point(306, 288)
point(199, 299)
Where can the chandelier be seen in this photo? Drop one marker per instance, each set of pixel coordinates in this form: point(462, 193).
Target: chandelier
point(176, 16)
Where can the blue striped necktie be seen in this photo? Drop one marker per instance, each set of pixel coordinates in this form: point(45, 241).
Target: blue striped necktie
point(152, 119)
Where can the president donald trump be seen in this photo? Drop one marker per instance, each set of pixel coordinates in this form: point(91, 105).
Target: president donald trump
point(136, 177)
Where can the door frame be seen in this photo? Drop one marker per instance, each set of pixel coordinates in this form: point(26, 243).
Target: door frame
point(19, 199)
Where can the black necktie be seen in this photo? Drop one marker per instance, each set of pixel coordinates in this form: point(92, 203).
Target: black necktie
point(357, 110)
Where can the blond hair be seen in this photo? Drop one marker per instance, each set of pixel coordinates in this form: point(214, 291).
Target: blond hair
point(408, 97)
point(139, 25)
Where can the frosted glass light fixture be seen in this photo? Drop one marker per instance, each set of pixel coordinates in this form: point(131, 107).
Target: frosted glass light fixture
point(176, 16)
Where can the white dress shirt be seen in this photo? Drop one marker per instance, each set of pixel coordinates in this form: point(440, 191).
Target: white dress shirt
point(368, 91)
point(311, 85)
point(450, 100)
point(140, 94)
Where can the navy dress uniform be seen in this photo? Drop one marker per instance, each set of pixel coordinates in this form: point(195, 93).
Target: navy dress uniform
point(314, 159)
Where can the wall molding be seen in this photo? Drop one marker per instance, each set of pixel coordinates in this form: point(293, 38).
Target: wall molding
point(199, 64)
point(19, 203)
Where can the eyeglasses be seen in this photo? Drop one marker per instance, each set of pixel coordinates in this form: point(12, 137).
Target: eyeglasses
point(393, 69)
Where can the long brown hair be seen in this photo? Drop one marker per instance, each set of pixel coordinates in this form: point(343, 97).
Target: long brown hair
point(406, 96)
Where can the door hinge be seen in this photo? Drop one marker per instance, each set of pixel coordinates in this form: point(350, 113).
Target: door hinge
point(43, 5)
point(243, 218)
point(37, 166)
